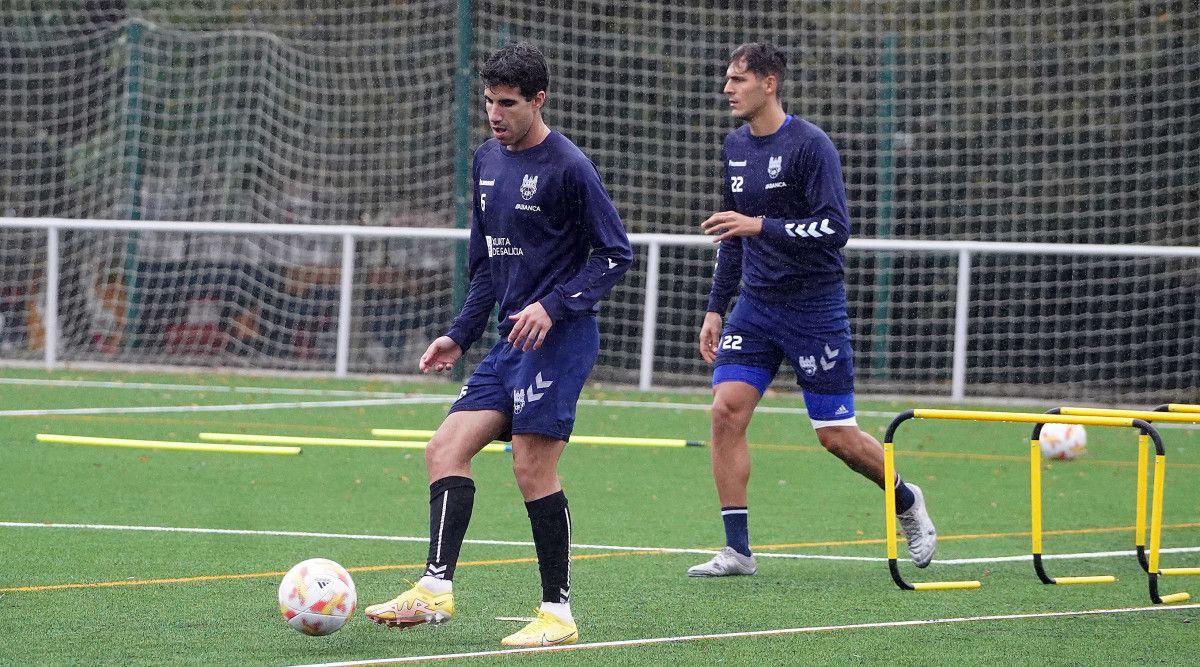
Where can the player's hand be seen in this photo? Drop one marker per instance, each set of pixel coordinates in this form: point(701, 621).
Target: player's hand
point(710, 335)
point(530, 328)
point(728, 224)
point(441, 355)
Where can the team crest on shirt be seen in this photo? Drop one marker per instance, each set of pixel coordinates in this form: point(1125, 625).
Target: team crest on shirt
point(774, 165)
point(528, 186)
point(808, 365)
point(518, 401)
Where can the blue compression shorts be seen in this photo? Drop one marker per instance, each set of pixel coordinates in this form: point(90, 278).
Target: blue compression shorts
point(759, 336)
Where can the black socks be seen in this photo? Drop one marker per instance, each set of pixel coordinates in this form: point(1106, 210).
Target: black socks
point(450, 503)
point(551, 523)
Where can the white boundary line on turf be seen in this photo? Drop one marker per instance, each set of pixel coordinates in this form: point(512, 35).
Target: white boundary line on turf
point(597, 547)
point(235, 407)
point(106, 384)
point(402, 399)
point(753, 633)
point(431, 398)
point(399, 538)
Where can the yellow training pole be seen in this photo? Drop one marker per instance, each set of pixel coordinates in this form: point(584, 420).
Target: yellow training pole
point(944, 585)
point(325, 442)
point(165, 445)
point(1179, 571)
point(1035, 495)
point(634, 442)
point(1020, 417)
point(889, 498)
point(401, 433)
point(1143, 470)
point(301, 440)
point(1182, 417)
point(577, 439)
point(1160, 466)
point(1156, 512)
point(1182, 407)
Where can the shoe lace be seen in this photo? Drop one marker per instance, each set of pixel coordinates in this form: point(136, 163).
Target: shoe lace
point(541, 619)
point(546, 618)
point(732, 556)
point(411, 585)
point(912, 527)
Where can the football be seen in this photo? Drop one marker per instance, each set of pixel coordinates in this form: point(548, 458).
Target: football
point(317, 596)
point(1063, 441)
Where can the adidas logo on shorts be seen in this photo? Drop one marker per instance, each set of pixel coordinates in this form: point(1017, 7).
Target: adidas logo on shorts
point(841, 410)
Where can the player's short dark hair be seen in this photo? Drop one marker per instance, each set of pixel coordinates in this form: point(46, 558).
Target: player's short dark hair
point(520, 65)
point(761, 59)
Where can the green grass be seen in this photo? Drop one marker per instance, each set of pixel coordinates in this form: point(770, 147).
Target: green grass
point(219, 607)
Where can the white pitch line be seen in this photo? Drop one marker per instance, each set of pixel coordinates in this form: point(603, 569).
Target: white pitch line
point(400, 399)
point(597, 547)
point(352, 536)
point(101, 384)
point(812, 629)
point(235, 407)
point(433, 398)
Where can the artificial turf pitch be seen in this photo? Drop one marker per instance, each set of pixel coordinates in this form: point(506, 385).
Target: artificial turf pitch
point(106, 577)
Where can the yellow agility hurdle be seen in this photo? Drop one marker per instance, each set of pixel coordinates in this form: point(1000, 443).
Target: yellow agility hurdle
point(1177, 413)
point(1035, 492)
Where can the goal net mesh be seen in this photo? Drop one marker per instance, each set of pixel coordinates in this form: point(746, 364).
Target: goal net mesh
point(995, 120)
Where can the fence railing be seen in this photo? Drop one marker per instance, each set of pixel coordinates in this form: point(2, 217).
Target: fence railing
point(654, 244)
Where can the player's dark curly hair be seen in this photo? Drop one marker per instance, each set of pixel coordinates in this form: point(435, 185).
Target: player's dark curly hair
point(761, 59)
point(520, 65)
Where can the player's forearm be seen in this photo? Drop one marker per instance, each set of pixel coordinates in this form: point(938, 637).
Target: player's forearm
point(727, 275)
point(718, 301)
point(726, 279)
point(829, 228)
point(599, 275)
point(610, 256)
point(472, 320)
point(465, 331)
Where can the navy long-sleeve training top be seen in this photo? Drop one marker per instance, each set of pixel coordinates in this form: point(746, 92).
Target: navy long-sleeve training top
point(792, 179)
point(544, 230)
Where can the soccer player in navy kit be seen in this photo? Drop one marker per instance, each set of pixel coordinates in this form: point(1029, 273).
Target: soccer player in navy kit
point(546, 244)
point(780, 235)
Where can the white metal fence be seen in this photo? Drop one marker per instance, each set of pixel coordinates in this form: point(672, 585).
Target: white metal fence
point(966, 252)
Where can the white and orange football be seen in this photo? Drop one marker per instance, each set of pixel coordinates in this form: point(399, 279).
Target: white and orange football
point(1063, 441)
point(317, 596)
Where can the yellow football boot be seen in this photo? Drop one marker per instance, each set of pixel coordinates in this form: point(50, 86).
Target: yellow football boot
point(415, 606)
point(545, 630)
